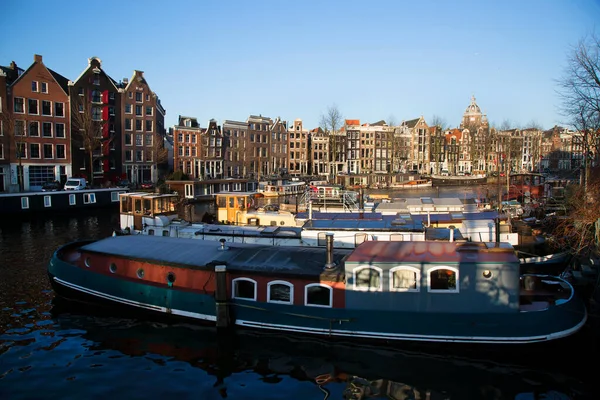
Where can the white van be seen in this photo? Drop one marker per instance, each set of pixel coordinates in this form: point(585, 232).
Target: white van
point(75, 184)
point(445, 172)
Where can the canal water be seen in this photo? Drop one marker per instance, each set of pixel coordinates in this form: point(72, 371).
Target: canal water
point(50, 350)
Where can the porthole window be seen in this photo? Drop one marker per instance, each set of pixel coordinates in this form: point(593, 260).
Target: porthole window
point(487, 274)
point(88, 262)
point(280, 292)
point(318, 295)
point(244, 288)
point(171, 278)
point(140, 273)
point(112, 268)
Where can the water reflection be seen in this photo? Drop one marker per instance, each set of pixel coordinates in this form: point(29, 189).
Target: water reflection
point(75, 347)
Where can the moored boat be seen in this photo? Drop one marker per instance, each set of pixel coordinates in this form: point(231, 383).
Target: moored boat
point(390, 291)
point(414, 184)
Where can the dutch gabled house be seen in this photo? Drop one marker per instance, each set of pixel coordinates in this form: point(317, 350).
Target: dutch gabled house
point(212, 152)
point(236, 144)
point(96, 125)
point(143, 127)
point(7, 76)
point(186, 146)
point(278, 155)
point(299, 150)
point(258, 146)
point(36, 127)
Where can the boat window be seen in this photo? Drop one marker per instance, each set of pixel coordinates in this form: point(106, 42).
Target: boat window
point(280, 292)
point(321, 239)
point(165, 233)
point(147, 206)
point(405, 279)
point(367, 278)
point(87, 262)
point(137, 206)
point(244, 288)
point(47, 201)
point(140, 273)
point(318, 295)
point(231, 202)
point(359, 238)
point(487, 274)
point(221, 202)
point(72, 200)
point(112, 268)
point(24, 202)
point(151, 232)
point(89, 198)
point(114, 196)
point(443, 280)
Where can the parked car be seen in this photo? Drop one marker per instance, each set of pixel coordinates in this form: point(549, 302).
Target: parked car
point(75, 184)
point(124, 183)
point(147, 185)
point(54, 186)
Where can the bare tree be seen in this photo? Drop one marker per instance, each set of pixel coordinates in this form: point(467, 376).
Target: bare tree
point(436, 120)
point(392, 121)
point(579, 89)
point(87, 127)
point(160, 155)
point(330, 122)
point(14, 130)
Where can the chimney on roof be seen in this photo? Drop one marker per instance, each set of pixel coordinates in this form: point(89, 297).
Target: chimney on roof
point(125, 81)
point(13, 65)
point(37, 58)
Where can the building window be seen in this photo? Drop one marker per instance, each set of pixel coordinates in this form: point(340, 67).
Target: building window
point(46, 107)
point(128, 108)
point(61, 153)
point(34, 129)
point(59, 109)
point(19, 128)
point(128, 139)
point(60, 130)
point(244, 288)
point(96, 114)
point(443, 280)
point(34, 150)
point(34, 86)
point(148, 125)
point(19, 104)
point(32, 106)
point(96, 96)
point(128, 124)
point(280, 292)
point(318, 295)
point(44, 87)
point(47, 129)
point(367, 279)
point(405, 279)
point(139, 155)
point(138, 97)
point(97, 80)
point(21, 150)
point(40, 174)
point(149, 139)
point(138, 124)
point(48, 151)
point(1, 151)
point(129, 155)
point(149, 111)
point(139, 140)
point(138, 110)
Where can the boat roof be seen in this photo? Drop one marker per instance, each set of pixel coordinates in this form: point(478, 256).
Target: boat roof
point(286, 260)
point(433, 252)
point(384, 223)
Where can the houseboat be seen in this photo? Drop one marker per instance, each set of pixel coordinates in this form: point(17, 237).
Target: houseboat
point(526, 185)
point(205, 190)
point(281, 188)
point(413, 184)
point(14, 204)
point(381, 291)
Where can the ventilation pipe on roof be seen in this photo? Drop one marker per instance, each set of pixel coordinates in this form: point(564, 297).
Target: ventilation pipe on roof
point(310, 210)
point(451, 227)
point(329, 260)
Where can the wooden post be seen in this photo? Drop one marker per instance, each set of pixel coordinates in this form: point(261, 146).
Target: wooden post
point(222, 304)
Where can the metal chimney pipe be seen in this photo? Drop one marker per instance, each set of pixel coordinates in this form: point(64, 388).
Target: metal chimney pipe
point(451, 227)
point(497, 222)
point(310, 209)
point(329, 256)
point(428, 219)
point(361, 200)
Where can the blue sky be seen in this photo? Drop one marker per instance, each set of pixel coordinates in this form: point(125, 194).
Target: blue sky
point(294, 59)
